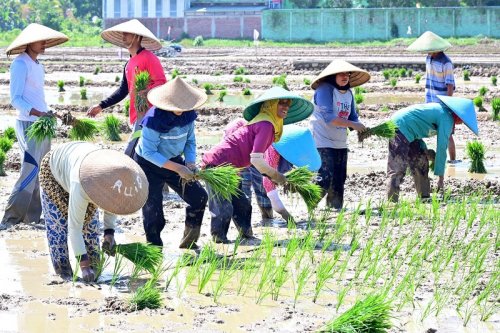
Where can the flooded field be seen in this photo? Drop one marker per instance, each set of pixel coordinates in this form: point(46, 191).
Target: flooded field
point(436, 262)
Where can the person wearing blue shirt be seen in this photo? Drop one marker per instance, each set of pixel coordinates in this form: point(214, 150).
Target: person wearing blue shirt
point(167, 134)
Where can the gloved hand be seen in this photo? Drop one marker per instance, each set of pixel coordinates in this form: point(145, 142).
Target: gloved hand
point(278, 178)
point(108, 245)
point(192, 167)
point(286, 215)
point(88, 274)
point(185, 173)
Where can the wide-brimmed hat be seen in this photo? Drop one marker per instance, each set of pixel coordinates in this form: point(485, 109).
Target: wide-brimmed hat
point(429, 42)
point(464, 109)
point(114, 35)
point(113, 181)
point(358, 75)
point(177, 95)
point(299, 109)
point(35, 33)
point(297, 146)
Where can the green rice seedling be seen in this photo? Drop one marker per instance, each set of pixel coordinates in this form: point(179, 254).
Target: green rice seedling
point(147, 256)
point(402, 72)
point(117, 270)
point(77, 269)
point(238, 79)
point(359, 98)
point(97, 70)
point(208, 269)
point(226, 273)
point(300, 282)
point(386, 73)
point(83, 129)
point(246, 80)
point(370, 315)
point(126, 106)
point(475, 151)
point(117, 78)
point(182, 262)
point(198, 41)
point(359, 90)
point(147, 296)
point(393, 82)
point(466, 75)
point(83, 94)
point(495, 105)
point(307, 82)
point(5, 143)
point(81, 81)
point(142, 80)
point(410, 72)
point(219, 86)
point(249, 269)
point(10, 132)
point(300, 181)
point(101, 264)
point(195, 81)
point(223, 180)
point(175, 73)
point(43, 128)
point(494, 80)
point(482, 91)
point(247, 92)
point(111, 128)
point(208, 88)
point(264, 287)
point(385, 108)
point(385, 130)
point(418, 76)
point(324, 272)
point(3, 157)
point(240, 71)
point(60, 85)
point(221, 96)
point(280, 81)
point(217, 73)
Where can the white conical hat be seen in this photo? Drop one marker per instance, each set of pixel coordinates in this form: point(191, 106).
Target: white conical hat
point(177, 95)
point(35, 33)
point(114, 35)
point(429, 42)
point(358, 75)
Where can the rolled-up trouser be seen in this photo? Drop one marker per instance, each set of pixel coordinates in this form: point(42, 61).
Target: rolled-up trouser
point(252, 178)
point(192, 193)
point(404, 154)
point(238, 208)
point(333, 173)
point(24, 204)
point(55, 202)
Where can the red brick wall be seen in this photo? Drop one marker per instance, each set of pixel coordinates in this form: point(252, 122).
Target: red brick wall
point(197, 26)
point(250, 23)
point(228, 27)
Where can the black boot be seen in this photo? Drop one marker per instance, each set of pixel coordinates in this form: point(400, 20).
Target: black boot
point(191, 235)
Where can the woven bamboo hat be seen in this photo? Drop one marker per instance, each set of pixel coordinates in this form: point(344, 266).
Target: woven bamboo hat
point(177, 95)
point(36, 33)
point(114, 35)
point(358, 75)
point(113, 181)
point(429, 42)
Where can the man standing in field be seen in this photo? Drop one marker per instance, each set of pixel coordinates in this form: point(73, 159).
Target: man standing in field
point(439, 79)
point(27, 80)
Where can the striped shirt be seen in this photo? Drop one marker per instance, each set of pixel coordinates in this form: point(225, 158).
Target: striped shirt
point(439, 73)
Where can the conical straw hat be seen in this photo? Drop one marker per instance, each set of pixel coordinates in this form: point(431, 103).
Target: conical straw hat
point(114, 35)
point(429, 42)
point(177, 95)
point(300, 108)
point(464, 109)
point(36, 33)
point(113, 181)
point(358, 75)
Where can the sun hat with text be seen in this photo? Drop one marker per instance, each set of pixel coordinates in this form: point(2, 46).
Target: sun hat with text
point(297, 146)
point(357, 78)
point(464, 109)
point(300, 108)
point(113, 181)
point(429, 42)
point(36, 33)
point(114, 35)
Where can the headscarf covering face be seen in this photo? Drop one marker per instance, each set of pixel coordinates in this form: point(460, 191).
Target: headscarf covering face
point(269, 112)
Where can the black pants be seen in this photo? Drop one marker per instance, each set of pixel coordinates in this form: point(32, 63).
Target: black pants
point(333, 173)
point(192, 193)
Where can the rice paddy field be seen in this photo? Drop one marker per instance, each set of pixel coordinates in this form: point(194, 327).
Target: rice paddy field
point(415, 266)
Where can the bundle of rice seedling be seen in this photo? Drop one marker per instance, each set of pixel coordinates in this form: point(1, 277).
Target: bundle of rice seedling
point(147, 296)
point(3, 157)
point(476, 151)
point(371, 315)
point(300, 180)
point(222, 180)
point(146, 256)
point(10, 133)
point(142, 80)
point(111, 128)
point(5, 144)
point(84, 129)
point(43, 128)
point(385, 130)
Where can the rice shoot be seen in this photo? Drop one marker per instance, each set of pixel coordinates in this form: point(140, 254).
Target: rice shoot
point(147, 296)
point(111, 128)
point(300, 180)
point(43, 128)
point(223, 180)
point(475, 151)
point(5, 144)
point(10, 133)
point(3, 157)
point(84, 129)
point(371, 315)
point(142, 80)
point(384, 130)
point(146, 256)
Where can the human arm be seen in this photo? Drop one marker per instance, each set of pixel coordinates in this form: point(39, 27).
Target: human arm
point(443, 136)
point(108, 244)
point(117, 96)
point(18, 76)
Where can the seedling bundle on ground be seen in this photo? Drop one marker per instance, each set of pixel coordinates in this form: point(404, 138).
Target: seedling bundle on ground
point(475, 151)
point(111, 128)
point(81, 129)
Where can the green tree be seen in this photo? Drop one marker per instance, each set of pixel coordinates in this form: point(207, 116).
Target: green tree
point(306, 3)
point(10, 15)
point(87, 8)
point(46, 12)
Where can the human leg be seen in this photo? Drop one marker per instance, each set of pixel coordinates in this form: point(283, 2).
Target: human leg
point(339, 176)
point(397, 163)
point(419, 167)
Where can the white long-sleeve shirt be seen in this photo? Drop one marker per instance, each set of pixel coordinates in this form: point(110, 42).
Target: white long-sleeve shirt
point(27, 80)
point(65, 163)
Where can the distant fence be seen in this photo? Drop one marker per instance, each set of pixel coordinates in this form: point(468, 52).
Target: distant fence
point(378, 24)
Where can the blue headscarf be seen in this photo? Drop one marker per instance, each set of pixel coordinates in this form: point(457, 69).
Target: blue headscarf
point(163, 121)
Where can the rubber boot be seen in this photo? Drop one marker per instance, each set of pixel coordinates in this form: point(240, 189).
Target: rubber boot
point(267, 215)
point(191, 235)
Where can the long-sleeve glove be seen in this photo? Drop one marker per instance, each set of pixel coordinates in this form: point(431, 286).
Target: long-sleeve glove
point(257, 159)
point(185, 173)
point(88, 274)
point(108, 245)
point(278, 205)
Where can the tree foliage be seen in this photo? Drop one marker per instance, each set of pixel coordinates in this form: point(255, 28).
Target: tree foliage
point(11, 15)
